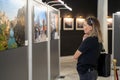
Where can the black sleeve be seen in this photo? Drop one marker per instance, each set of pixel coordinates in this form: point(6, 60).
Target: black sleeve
point(86, 45)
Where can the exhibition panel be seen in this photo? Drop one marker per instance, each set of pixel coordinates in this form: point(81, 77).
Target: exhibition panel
point(13, 34)
point(116, 39)
point(40, 42)
point(14, 64)
point(40, 63)
point(29, 40)
point(54, 36)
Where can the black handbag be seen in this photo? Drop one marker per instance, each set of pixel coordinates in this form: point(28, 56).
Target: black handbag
point(104, 67)
point(104, 62)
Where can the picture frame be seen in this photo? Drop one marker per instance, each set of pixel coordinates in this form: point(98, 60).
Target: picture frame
point(79, 23)
point(68, 24)
point(109, 23)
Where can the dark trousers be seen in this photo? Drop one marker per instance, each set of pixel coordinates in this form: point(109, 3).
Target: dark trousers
point(89, 75)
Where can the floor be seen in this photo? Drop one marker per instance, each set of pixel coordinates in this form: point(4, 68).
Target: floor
point(68, 70)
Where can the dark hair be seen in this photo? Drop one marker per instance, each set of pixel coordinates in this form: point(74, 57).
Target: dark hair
point(90, 20)
point(96, 31)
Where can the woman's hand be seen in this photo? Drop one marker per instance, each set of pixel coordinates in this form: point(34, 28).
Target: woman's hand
point(77, 54)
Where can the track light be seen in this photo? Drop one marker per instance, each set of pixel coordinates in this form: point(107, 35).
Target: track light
point(59, 3)
point(68, 7)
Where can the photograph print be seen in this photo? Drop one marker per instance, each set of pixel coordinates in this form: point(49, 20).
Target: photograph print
point(68, 24)
point(54, 24)
point(12, 24)
point(40, 24)
point(109, 23)
point(79, 23)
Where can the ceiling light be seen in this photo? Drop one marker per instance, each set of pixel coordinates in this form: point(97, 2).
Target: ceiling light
point(51, 2)
point(68, 7)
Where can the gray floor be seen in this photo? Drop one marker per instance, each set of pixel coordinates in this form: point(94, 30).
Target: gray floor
point(68, 69)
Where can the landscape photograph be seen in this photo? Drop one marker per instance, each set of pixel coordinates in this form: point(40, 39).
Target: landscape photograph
point(12, 24)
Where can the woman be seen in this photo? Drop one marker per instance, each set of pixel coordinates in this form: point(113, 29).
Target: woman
point(88, 52)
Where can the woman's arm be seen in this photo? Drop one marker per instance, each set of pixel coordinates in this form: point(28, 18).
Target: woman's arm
point(77, 54)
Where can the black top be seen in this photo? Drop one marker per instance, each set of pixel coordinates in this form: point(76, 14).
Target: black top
point(90, 53)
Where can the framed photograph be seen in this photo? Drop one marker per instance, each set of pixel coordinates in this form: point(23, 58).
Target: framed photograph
point(109, 23)
point(79, 23)
point(54, 23)
point(68, 24)
point(40, 23)
point(12, 24)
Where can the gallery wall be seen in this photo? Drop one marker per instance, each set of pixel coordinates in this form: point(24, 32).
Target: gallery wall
point(71, 38)
point(82, 8)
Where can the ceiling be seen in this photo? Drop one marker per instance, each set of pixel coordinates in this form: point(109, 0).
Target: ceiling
point(88, 7)
point(80, 8)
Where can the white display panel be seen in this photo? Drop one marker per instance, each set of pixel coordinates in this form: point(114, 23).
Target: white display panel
point(116, 37)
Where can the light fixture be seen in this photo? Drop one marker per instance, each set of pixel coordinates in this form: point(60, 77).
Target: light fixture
point(57, 5)
point(58, 1)
point(109, 20)
point(60, 4)
point(68, 7)
point(61, 1)
point(62, 8)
